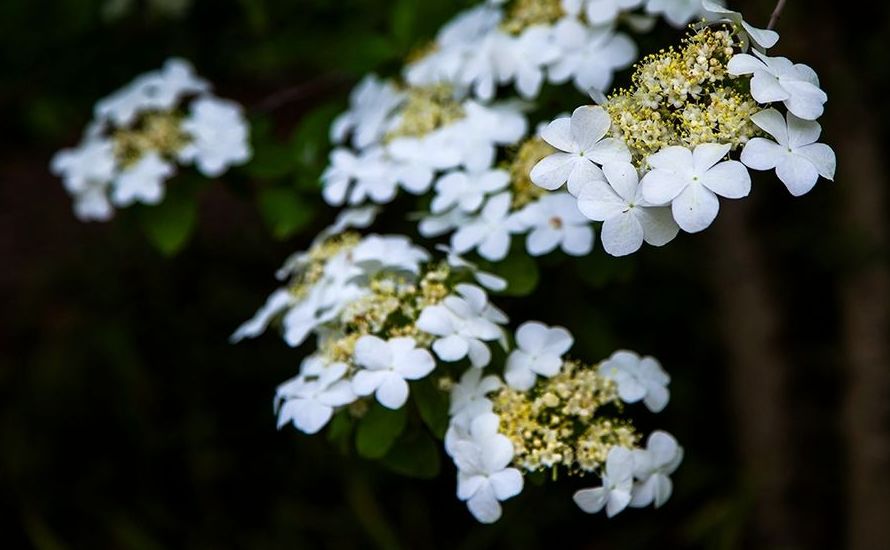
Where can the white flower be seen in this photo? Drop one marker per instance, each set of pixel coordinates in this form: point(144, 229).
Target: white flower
point(219, 136)
point(615, 493)
point(778, 79)
point(627, 218)
point(795, 155)
point(638, 379)
point(435, 226)
point(471, 392)
point(158, 90)
point(462, 324)
point(555, 221)
point(600, 12)
point(386, 367)
point(691, 180)
point(483, 478)
point(321, 304)
point(581, 142)
point(142, 182)
point(489, 232)
point(677, 12)
point(358, 218)
point(539, 352)
point(372, 177)
point(417, 159)
point(525, 57)
point(764, 38)
point(652, 467)
point(86, 173)
point(484, 127)
point(370, 105)
point(467, 190)
point(590, 55)
point(309, 399)
point(376, 253)
point(277, 302)
point(488, 280)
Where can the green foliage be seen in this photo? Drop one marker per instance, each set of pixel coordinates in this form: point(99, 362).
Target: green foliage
point(285, 211)
point(170, 224)
point(415, 454)
point(521, 272)
point(378, 430)
point(432, 403)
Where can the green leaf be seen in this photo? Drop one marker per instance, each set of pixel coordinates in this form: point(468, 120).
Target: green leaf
point(378, 430)
point(340, 429)
point(170, 224)
point(432, 403)
point(521, 272)
point(284, 210)
point(415, 454)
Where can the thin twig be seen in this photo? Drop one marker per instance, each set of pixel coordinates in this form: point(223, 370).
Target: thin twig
point(774, 18)
point(317, 85)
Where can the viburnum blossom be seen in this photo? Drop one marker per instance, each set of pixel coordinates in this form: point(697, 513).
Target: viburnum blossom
point(590, 55)
point(218, 136)
point(795, 155)
point(638, 379)
point(600, 12)
point(627, 218)
point(778, 79)
point(308, 400)
point(652, 468)
point(386, 366)
point(467, 191)
point(370, 104)
point(615, 493)
point(763, 38)
point(690, 182)
point(553, 221)
point(583, 147)
point(677, 12)
point(539, 351)
point(488, 232)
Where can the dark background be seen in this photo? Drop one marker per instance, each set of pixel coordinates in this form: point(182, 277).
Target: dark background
point(127, 420)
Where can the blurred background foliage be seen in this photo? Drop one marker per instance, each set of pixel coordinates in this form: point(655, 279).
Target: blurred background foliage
point(127, 421)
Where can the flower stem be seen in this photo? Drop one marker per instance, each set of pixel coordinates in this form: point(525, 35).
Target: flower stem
point(774, 18)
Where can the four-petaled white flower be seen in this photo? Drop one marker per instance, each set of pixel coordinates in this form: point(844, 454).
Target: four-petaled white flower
point(795, 155)
point(467, 190)
point(691, 180)
point(463, 323)
point(764, 38)
point(308, 400)
point(555, 221)
point(484, 478)
point(778, 79)
point(142, 182)
point(539, 351)
point(386, 365)
point(638, 379)
point(627, 218)
point(371, 103)
point(582, 144)
point(677, 12)
point(652, 468)
point(489, 232)
point(615, 493)
point(219, 136)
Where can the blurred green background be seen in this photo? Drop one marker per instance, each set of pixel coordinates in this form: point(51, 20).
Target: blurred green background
point(127, 421)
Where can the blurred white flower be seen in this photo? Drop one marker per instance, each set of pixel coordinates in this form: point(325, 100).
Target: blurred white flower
point(467, 190)
point(371, 103)
point(677, 12)
point(589, 55)
point(86, 172)
point(142, 182)
point(599, 12)
point(488, 232)
point(638, 379)
point(653, 467)
point(615, 493)
point(308, 400)
point(539, 351)
point(219, 136)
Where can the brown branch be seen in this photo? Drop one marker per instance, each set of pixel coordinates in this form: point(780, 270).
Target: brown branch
point(309, 88)
point(774, 18)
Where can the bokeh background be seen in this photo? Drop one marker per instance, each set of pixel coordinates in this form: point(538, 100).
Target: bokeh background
point(127, 421)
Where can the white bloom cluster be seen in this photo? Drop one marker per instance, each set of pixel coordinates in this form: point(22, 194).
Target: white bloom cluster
point(142, 132)
point(655, 159)
point(491, 444)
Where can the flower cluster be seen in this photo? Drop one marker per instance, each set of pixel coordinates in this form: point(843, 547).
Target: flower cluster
point(142, 132)
point(654, 159)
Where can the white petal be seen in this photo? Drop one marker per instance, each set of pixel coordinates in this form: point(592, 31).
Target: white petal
point(559, 134)
point(506, 483)
point(542, 240)
point(495, 247)
point(797, 173)
point(728, 179)
point(659, 227)
point(393, 392)
point(591, 500)
point(415, 364)
point(622, 234)
point(577, 240)
point(553, 171)
point(675, 158)
point(310, 416)
point(599, 201)
point(766, 89)
point(609, 150)
point(695, 208)
point(661, 186)
point(372, 353)
point(451, 348)
point(822, 156)
point(618, 501)
point(762, 154)
point(484, 506)
point(436, 320)
point(744, 64)
point(519, 376)
point(366, 382)
point(802, 132)
point(589, 125)
point(772, 122)
point(584, 172)
point(479, 353)
point(707, 155)
point(623, 178)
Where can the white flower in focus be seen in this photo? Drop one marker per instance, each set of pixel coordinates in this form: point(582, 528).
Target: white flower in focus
point(539, 351)
point(308, 400)
point(590, 55)
point(386, 367)
point(582, 144)
point(795, 155)
point(555, 221)
point(677, 12)
point(142, 182)
point(778, 79)
point(86, 173)
point(652, 467)
point(764, 38)
point(370, 105)
point(219, 136)
point(467, 190)
point(690, 182)
point(483, 478)
point(638, 379)
point(471, 391)
point(462, 324)
point(615, 493)
point(489, 232)
point(627, 218)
